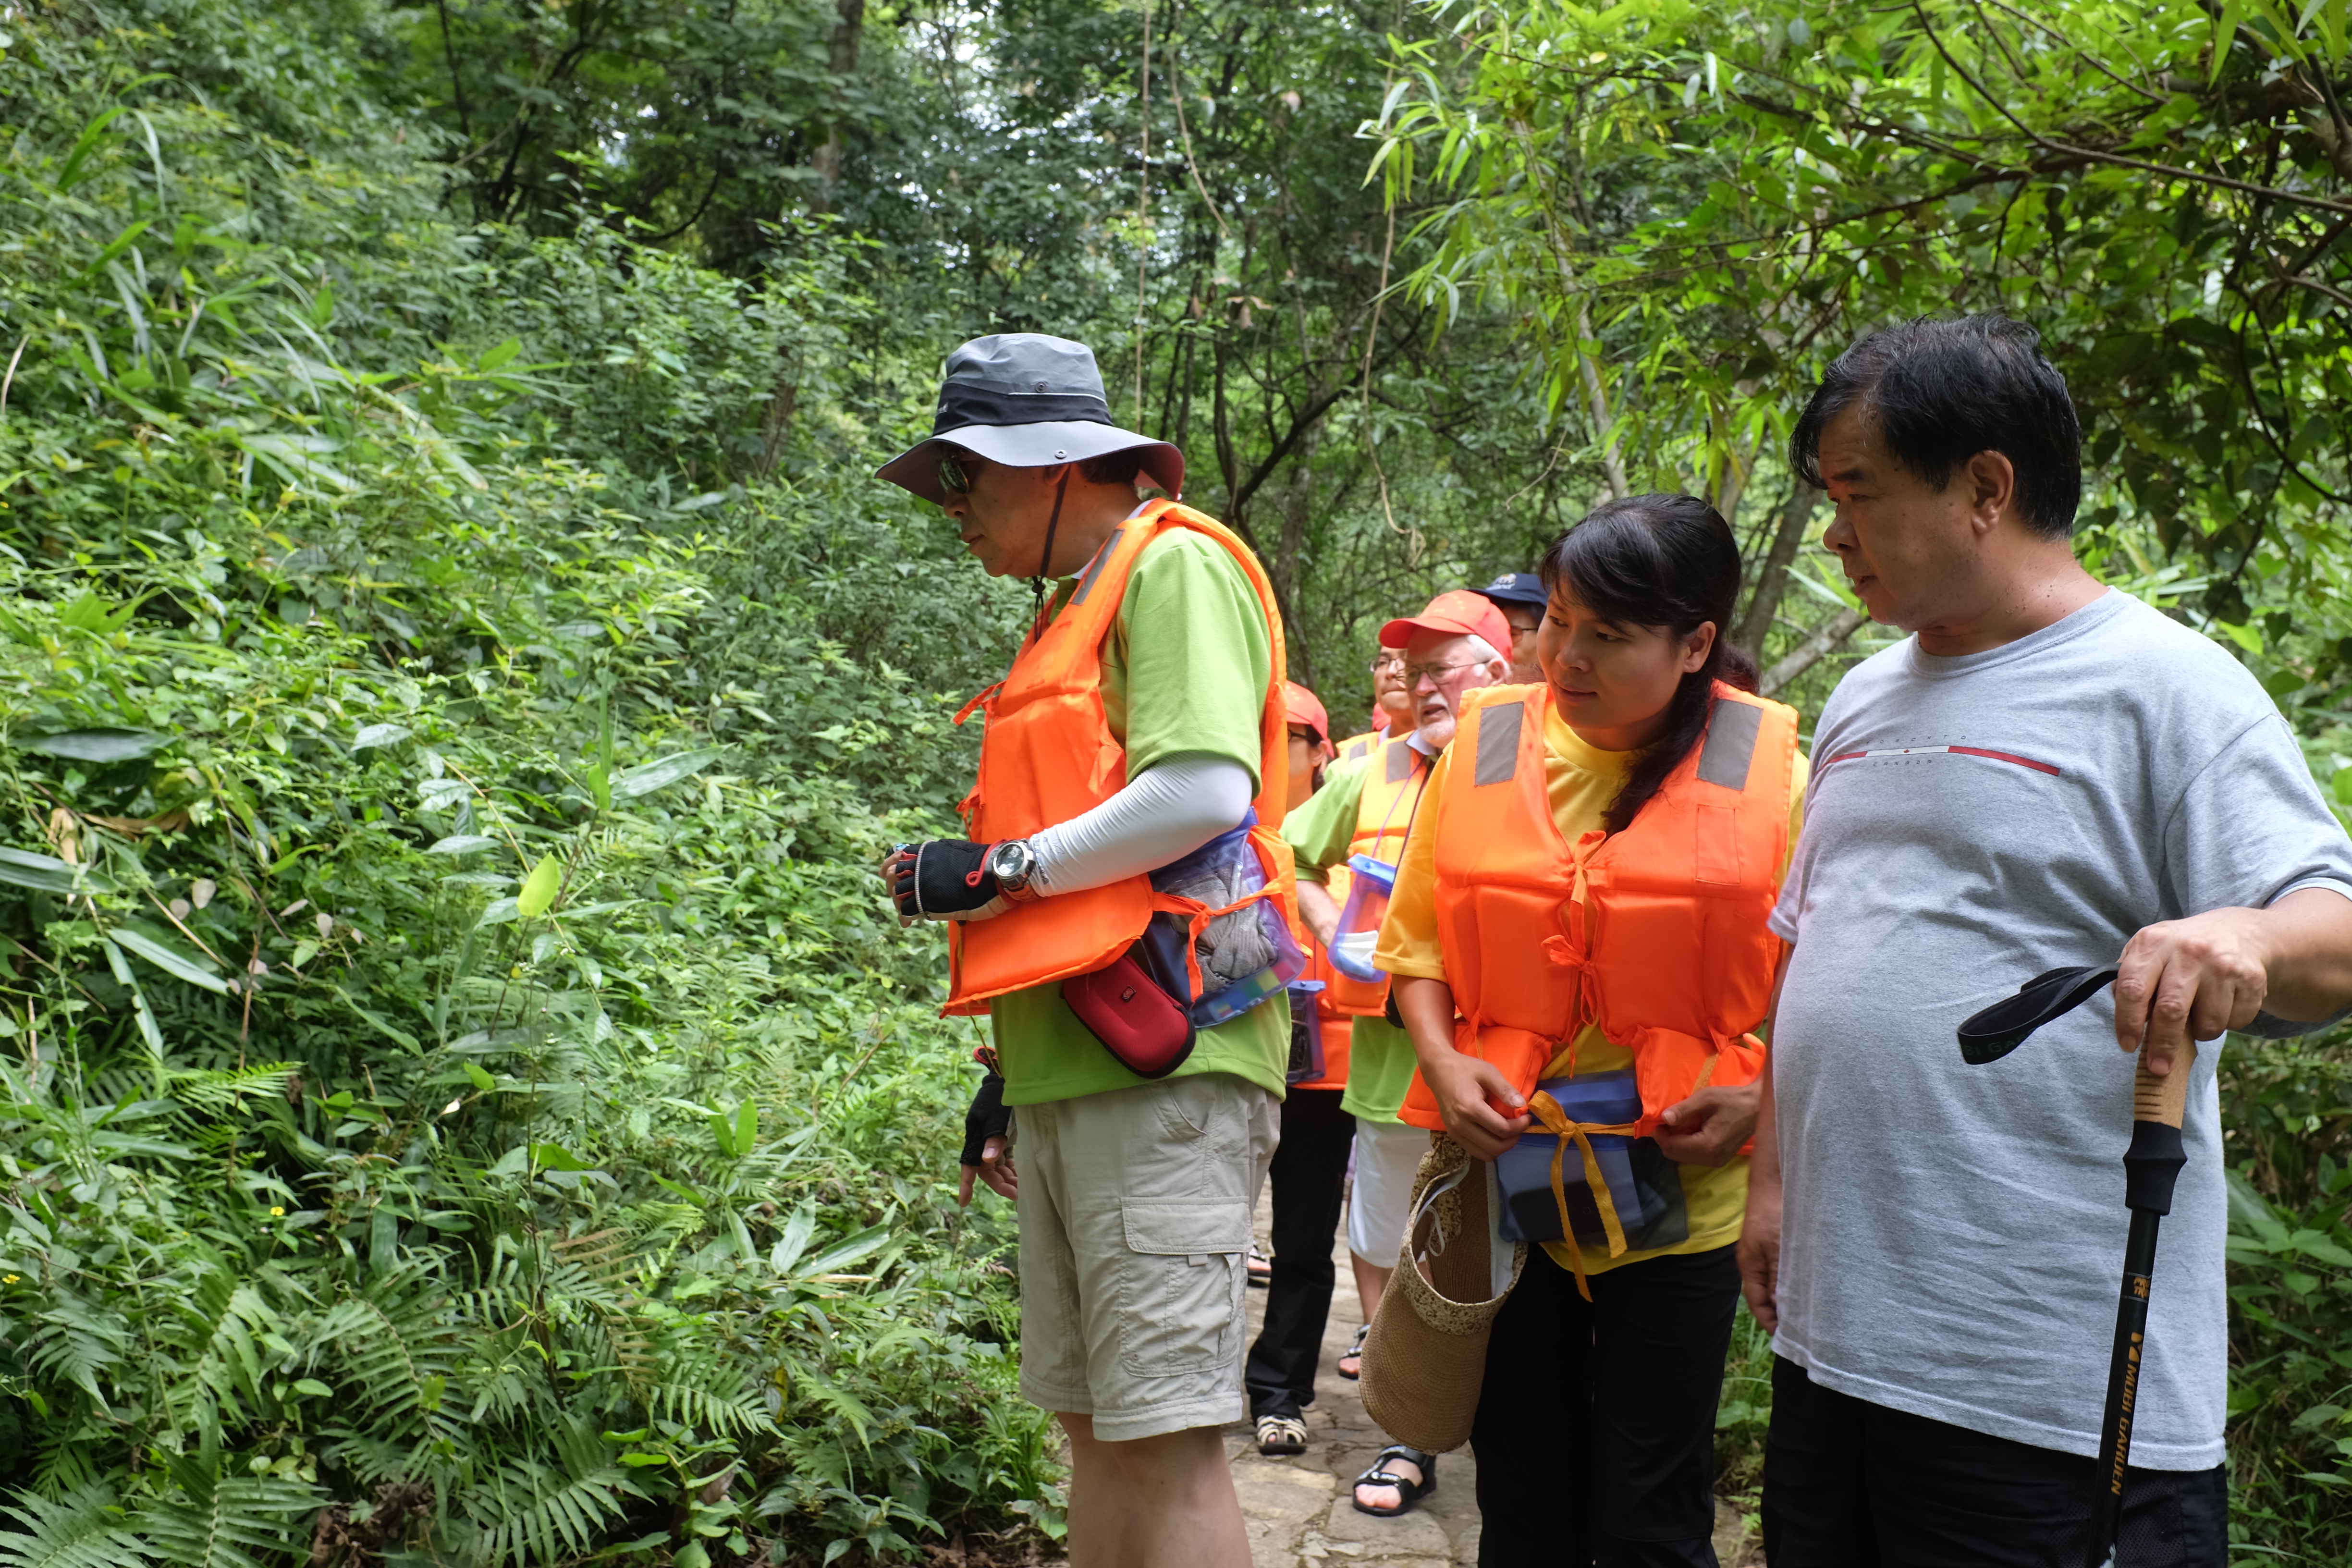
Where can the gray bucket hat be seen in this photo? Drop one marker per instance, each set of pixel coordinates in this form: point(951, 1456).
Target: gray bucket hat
point(1028, 401)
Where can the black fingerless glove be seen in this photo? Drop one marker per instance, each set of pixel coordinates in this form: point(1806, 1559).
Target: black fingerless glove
point(949, 876)
point(989, 1118)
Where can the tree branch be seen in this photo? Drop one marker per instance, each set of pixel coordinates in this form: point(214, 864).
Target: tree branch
point(2169, 171)
point(1825, 641)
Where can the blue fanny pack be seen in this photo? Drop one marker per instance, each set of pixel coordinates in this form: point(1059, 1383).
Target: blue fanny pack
point(1643, 1184)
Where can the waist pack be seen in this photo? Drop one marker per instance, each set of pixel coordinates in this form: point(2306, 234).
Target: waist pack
point(1143, 1005)
point(1644, 1186)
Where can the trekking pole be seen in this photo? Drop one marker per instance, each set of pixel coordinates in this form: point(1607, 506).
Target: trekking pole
point(2151, 1166)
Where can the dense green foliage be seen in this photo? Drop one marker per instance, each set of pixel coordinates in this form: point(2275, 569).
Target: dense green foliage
point(463, 1101)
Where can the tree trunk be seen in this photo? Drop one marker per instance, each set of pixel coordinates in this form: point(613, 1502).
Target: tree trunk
point(1772, 577)
point(846, 33)
point(1298, 507)
point(1612, 467)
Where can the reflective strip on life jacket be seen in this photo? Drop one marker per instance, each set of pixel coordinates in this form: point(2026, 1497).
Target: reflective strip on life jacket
point(1655, 935)
point(1048, 755)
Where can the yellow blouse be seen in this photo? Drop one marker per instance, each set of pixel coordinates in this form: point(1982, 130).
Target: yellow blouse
point(1580, 780)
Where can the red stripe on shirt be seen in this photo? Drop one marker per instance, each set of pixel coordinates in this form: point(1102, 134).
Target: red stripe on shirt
point(2049, 768)
point(2007, 757)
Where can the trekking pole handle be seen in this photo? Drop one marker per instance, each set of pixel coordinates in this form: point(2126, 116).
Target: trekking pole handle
point(2152, 1164)
point(2165, 1099)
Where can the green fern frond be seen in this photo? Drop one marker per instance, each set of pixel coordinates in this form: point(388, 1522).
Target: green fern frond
point(68, 1457)
point(725, 1409)
point(75, 1343)
point(227, 1317)
point(210, 1520)
point(83, 1530)
point(534, 1512)
point(220, 1091)
point(399, 1344)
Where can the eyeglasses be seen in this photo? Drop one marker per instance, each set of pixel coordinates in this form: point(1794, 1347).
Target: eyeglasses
point(956, 470)
point(1435, 674)
point(1388, 662)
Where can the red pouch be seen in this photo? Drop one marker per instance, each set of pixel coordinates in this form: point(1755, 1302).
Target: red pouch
point(1137, 1023)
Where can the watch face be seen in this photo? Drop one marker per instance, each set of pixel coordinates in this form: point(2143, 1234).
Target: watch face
point(1010, 863)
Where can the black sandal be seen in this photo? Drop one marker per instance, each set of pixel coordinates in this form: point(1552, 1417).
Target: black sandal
point(1355, 1348)
point(1408, 1493)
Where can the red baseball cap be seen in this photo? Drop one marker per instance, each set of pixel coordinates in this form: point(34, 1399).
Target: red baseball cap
point(1459, 613)
point(1300, 706)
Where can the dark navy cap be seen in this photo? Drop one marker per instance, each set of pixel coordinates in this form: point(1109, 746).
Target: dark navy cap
point(1517, 588)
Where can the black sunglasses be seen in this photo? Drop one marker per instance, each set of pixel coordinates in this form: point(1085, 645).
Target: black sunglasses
point(956, 470)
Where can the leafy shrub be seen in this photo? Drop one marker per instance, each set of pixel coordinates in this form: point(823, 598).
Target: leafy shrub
point(463, 1100)
point(2288, 1106)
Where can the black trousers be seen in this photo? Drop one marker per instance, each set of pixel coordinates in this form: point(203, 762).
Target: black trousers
point(1850, 1484)
point(1595, 1431)
point(1309, 1173)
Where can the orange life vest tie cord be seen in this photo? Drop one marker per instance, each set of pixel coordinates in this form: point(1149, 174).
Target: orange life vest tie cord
point(1198, 915)
point(1546, 1110)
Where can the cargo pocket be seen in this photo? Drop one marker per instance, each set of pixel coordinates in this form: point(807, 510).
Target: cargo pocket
point(1184, 1268)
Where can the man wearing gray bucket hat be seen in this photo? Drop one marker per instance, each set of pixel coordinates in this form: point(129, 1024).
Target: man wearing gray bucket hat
point(1116, 907)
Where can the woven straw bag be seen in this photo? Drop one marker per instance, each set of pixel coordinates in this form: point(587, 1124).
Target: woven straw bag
point(1427, 1355)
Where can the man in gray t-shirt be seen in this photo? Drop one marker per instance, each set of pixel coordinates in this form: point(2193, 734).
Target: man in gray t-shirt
point(2048, 773)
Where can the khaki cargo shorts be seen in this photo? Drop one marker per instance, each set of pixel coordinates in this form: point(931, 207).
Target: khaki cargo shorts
point(1135, 1220)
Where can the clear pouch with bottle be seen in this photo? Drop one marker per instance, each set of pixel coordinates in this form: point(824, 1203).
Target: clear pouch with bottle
point(1246, 955)
point(1370, 881)
point(1307, 1063)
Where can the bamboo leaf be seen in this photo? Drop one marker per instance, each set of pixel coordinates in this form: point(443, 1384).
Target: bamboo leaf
point(630, 783)
point(149, 944)
point(841, 1255)
point(43, 873)
point(105, 746)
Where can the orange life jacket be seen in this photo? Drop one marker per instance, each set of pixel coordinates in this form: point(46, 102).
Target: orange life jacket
point(1356, 746)
point(1656, 934)
point(1393, 786)
point(1048, 755)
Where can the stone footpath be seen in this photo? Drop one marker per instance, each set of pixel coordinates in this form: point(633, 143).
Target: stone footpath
point(1300, 1509)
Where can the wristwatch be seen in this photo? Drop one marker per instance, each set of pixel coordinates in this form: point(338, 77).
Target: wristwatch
point(1012, 863)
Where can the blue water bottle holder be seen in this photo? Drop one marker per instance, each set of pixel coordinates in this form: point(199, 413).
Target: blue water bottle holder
point(1370, 882)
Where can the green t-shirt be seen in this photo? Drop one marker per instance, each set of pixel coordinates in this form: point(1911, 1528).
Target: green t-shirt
point(1380, 1055)
point(1184, 674)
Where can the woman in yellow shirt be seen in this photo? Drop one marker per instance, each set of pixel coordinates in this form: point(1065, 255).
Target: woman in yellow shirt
point(1655, 804)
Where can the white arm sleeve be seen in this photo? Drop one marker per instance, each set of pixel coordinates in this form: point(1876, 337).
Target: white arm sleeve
point(1162, 814)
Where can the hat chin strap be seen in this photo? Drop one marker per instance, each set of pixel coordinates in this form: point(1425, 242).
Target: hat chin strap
point(1045, 562)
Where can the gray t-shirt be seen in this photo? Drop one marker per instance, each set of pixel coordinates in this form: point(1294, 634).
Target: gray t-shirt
point(1953, 1236)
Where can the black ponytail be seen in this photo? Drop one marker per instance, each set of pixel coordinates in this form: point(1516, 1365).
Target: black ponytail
point(1668, 561)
